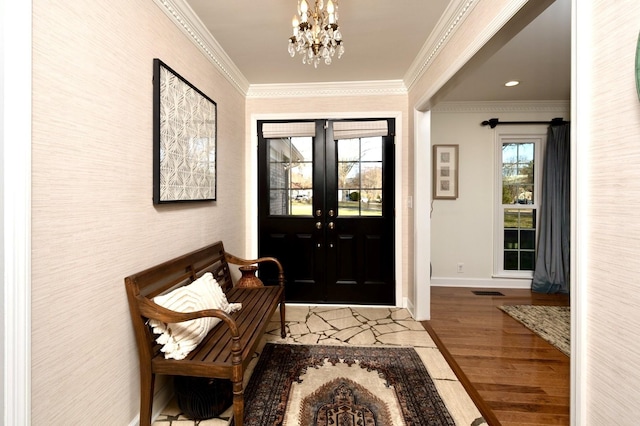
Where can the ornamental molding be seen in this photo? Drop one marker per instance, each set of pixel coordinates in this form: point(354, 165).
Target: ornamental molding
point(183, 16)
point(186, 19)
point(449, 23)
point(333, 89)
point(563, 107)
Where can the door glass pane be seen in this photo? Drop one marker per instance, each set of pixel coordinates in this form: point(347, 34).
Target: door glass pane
point(290, 176)
point(372, 205)
point(372, 149)
point(360, 176)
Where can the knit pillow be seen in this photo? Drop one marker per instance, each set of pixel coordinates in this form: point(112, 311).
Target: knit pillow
point(178, 339)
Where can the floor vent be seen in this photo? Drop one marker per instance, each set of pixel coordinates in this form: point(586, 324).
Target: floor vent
point(486, 293)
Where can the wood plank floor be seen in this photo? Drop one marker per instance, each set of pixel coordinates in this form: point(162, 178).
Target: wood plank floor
point(514, 376)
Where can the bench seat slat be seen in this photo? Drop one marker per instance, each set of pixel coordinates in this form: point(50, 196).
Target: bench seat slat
point(215, 349)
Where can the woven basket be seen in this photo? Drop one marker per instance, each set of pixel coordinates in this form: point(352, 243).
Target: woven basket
point(202, 398)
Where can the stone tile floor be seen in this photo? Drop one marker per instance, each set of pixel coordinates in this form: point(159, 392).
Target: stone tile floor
point(358, 326)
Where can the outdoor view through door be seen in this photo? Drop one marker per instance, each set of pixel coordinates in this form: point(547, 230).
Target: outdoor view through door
point(326, 194)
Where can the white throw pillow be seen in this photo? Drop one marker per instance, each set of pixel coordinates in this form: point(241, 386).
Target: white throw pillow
point(178, 339)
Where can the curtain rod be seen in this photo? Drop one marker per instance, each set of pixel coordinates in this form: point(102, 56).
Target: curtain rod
point(493, 122)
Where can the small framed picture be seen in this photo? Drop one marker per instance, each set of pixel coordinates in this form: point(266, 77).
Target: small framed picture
point(445, 172)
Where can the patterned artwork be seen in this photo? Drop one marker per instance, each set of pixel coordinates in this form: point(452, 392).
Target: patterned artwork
point(184, 139)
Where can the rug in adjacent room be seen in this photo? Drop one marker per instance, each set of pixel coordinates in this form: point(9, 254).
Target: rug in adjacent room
point(552, 323)
point(324, 385)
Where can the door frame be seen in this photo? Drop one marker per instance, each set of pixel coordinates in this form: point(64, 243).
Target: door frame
point(251, 184)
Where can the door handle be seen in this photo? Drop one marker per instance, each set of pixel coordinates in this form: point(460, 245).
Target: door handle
point(331, 225)
point(318, 225)
point(331, 213)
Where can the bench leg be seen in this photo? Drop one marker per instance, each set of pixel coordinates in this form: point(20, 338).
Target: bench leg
point(147, 381)
point(283, 333)
point(238, 403)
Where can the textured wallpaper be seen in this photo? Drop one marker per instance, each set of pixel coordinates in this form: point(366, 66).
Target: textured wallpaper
point(94, 221)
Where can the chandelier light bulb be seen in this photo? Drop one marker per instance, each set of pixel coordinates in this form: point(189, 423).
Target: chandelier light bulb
point(304, 7)
point(316, 34)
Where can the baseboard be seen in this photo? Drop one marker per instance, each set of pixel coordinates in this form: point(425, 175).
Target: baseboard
point(481, 282)
point(160, 402)
point(406, 303)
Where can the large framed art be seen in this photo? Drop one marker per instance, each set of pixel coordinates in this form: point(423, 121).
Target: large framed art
point(184, 139)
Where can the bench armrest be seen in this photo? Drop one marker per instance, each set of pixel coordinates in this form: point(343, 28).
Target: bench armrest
point(244, 262)
point(152, 310)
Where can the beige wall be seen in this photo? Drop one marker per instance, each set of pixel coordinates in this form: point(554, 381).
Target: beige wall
point(329, 107)
point(93, 221)
point(608, 211)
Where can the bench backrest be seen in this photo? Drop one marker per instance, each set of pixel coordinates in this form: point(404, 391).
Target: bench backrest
point(167, 276)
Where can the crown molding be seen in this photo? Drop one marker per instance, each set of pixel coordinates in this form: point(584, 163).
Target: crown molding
point(345, 88)
point(505, 106)
point(447, 25)
point(186, 19)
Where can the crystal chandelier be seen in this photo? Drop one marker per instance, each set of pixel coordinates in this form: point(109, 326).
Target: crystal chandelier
point(316, 35)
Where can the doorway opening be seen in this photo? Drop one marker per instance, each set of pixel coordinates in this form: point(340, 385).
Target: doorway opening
point(326, 208)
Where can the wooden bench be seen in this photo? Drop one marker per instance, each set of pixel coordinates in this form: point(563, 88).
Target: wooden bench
point(228, 348)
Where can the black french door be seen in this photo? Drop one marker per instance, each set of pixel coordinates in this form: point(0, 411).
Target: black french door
point(326, 208)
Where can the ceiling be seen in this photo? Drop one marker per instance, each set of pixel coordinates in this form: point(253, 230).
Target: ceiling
point(382, 39)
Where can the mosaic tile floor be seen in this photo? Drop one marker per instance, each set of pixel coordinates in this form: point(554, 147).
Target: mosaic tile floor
point(359, 327)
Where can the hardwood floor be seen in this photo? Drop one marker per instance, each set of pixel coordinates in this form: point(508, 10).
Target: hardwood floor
point(514, 376)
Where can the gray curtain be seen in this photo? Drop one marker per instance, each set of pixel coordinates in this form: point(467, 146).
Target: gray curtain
point(552, 264)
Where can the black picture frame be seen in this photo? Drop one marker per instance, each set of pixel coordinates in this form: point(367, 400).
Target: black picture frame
point(184, 139)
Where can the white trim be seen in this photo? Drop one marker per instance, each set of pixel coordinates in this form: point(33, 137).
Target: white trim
point(409, 306)
point(450, 21)
point(183, 16)
point(186, 19)
point(333, 89)
point(539, 140)
point(471, 49)
point(481, 282)
point(16, 206)
point(252, 182)
point(421, 215)
point(496, 107)
point(161, 400)
point(581, 87)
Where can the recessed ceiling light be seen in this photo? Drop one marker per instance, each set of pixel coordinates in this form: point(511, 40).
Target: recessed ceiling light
point(512, 83)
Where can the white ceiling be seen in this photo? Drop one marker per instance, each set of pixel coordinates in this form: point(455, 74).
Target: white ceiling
point(382, 39)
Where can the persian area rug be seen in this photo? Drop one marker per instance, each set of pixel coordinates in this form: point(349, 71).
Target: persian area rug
point(552, 323)
point(342, 386)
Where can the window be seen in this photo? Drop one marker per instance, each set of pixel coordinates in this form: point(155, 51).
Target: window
point(517, 194)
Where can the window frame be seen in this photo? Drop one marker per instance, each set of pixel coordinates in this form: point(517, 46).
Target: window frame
point(539, 141)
